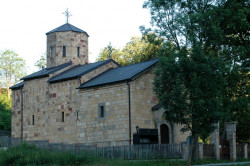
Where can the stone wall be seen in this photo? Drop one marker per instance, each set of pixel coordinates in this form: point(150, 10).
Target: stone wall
point(16, 114)
point(71, 40)
point(176, 136)
point(62, 99)
point(48, 103)
point(142, 101)
point(35, 95)
point(113, 129)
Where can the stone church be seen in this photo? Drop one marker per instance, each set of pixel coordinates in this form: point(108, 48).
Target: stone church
point(100, 104)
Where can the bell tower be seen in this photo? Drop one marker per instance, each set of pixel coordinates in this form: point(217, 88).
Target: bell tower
point(67, 43)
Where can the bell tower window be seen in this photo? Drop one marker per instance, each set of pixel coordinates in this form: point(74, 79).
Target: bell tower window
point(51, 51)
point(78, 51)
point(64, 51)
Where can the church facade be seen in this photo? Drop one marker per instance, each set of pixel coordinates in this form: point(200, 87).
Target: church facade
point(73, 101)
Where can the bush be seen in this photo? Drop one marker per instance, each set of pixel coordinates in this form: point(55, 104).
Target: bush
point(30, 155)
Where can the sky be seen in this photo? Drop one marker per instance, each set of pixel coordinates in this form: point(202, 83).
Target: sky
point(25, 22)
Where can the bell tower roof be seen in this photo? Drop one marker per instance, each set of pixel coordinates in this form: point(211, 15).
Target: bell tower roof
point(67, 27)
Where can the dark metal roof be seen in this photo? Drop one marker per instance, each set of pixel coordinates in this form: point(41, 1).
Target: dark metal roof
point(17, 86)
point(79, 70)
point(45, 72)
point(156, 107)
point(119, 74)
point(67, 27)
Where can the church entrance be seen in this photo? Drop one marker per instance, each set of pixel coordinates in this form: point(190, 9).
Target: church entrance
point(164, 134)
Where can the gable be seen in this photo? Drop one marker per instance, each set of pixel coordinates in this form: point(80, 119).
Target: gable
point(79, 70)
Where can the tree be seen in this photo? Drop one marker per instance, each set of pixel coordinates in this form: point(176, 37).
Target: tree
point(12, 68)
point(5, 111)
point(139, 49)
point(234, 25)
point(219, 29)
point(111, 52)
point(41, 63)
point(142, 49)
point(189, 86)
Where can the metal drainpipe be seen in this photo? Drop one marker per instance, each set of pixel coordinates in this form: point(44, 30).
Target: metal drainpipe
point(129, 112)
point(21, 113)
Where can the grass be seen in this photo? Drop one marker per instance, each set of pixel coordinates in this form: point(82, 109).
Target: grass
point(31, 156)
point(212, 161)
point(209, 161)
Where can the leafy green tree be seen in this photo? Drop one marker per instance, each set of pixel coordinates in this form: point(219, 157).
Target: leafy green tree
point(190, 86)
point(234, 27)
point(5, 120)
point(220, 29)
point(5, 111)
point(12, 68)
point(41, 63)
point(5, 103)
point(142, 49)
point(139, 49)
point(111, 52)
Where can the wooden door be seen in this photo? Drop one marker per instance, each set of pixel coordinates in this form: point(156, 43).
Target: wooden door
point(164, 134)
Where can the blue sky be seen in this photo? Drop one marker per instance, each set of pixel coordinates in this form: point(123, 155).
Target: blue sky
point(25, 22)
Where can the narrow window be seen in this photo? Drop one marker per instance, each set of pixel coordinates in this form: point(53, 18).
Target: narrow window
point(62, 116)
point(51, 51)
point(64, 51)
point(33, 120)
point(101, 110)
point(78, 51)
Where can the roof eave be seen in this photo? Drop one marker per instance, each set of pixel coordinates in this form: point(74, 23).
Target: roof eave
point(67, 31)
point(61, 80)
point(16, 88)
point(106, 84)
point(32, 78)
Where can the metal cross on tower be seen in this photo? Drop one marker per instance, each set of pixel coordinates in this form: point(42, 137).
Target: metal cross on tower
point(67, 15)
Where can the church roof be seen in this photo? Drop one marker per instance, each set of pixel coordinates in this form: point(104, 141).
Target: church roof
point(45, 72)
point(156, 107)
point(119, 74)
point(79, 70)
point(67, 27)
point(17, 86)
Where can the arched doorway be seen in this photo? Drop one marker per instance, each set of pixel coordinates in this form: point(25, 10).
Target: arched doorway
point(164, 134)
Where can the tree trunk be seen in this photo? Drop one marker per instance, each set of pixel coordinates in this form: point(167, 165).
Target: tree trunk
point(190, 152)
point(224, 129)
point(8, 92)
point(193, 149)
point(196, 148)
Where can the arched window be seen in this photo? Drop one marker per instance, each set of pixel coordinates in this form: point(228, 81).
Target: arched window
point(164, 134)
